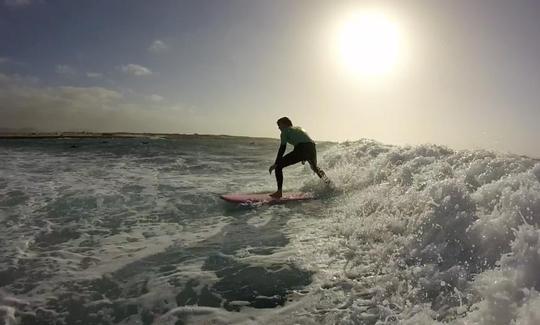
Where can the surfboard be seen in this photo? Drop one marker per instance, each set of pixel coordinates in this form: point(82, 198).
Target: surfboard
point(265, 198)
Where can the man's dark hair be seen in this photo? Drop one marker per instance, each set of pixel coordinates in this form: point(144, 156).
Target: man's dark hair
point(285, 120)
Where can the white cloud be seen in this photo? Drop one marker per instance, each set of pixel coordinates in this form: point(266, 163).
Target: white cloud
point(65, 69)
point(94, 75)
point(25, 104)
point(17, 3)
point(15, 79)
point(155, 98)
point(135, 70)
point(158, 46)
point(7, 60)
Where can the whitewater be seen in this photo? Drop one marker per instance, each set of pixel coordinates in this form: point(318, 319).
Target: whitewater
point(132, 231)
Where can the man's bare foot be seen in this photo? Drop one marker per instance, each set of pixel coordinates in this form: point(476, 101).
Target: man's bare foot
point(277, 194)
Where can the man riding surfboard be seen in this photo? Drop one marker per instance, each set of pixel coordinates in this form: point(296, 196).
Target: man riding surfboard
point(304, 150)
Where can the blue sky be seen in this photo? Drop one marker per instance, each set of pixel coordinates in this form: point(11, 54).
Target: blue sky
point(469, 79)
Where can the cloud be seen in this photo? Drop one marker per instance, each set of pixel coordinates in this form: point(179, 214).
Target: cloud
point(10, 61)
point(158, 46)
point(17, 3)
point(155, 98)
point(96, 75)
point(15, 79)
point(64, 69)
point(25, 104)
point(135, 70)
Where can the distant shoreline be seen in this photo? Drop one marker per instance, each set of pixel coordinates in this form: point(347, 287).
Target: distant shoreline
point(98, 135)
point(128, 135)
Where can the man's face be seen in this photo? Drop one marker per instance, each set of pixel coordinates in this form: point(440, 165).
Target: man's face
point(280, 126)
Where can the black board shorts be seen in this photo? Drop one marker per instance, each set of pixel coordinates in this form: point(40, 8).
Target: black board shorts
point(302, 152)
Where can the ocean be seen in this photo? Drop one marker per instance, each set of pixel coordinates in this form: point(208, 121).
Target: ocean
point(132, 231)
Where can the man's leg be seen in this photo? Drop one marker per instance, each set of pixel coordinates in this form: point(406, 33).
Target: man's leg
point(289, 159)
point(319, 171)
point(311, 154)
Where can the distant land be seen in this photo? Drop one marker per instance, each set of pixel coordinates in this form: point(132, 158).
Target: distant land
point(8, 134)
point(18, 134)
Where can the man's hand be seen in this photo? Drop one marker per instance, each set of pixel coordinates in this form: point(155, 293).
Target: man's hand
point(271, 168)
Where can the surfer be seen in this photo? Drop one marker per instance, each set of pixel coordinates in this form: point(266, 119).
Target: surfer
point(304, 150)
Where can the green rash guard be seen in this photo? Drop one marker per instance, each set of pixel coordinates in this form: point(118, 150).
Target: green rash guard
point(294, 135)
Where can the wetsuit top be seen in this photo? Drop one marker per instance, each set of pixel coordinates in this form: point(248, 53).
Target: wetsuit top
point(294, 135)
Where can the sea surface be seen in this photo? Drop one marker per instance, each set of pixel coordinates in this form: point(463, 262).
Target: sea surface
point(132, 231)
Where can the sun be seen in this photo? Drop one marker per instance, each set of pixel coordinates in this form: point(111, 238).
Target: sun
point(368, 44)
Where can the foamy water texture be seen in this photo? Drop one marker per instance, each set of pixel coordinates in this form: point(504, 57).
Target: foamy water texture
point(131, 231)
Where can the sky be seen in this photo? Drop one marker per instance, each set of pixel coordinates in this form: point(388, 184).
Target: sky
point(466, 76)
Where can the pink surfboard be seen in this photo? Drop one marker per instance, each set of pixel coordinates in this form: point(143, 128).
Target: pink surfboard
point(263, 198)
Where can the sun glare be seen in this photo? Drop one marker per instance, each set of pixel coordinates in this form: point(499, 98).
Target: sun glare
point(368, 44)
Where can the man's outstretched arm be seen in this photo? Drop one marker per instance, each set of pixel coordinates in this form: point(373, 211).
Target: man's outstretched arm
point(280, 153)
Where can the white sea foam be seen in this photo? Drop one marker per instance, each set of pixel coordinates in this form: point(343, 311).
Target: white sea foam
point(440, 235)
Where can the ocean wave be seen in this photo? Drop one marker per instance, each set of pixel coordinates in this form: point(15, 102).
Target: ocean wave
point(439, 235)
point(124, 232)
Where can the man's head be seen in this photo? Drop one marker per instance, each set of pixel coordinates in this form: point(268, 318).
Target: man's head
point(284, 123)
